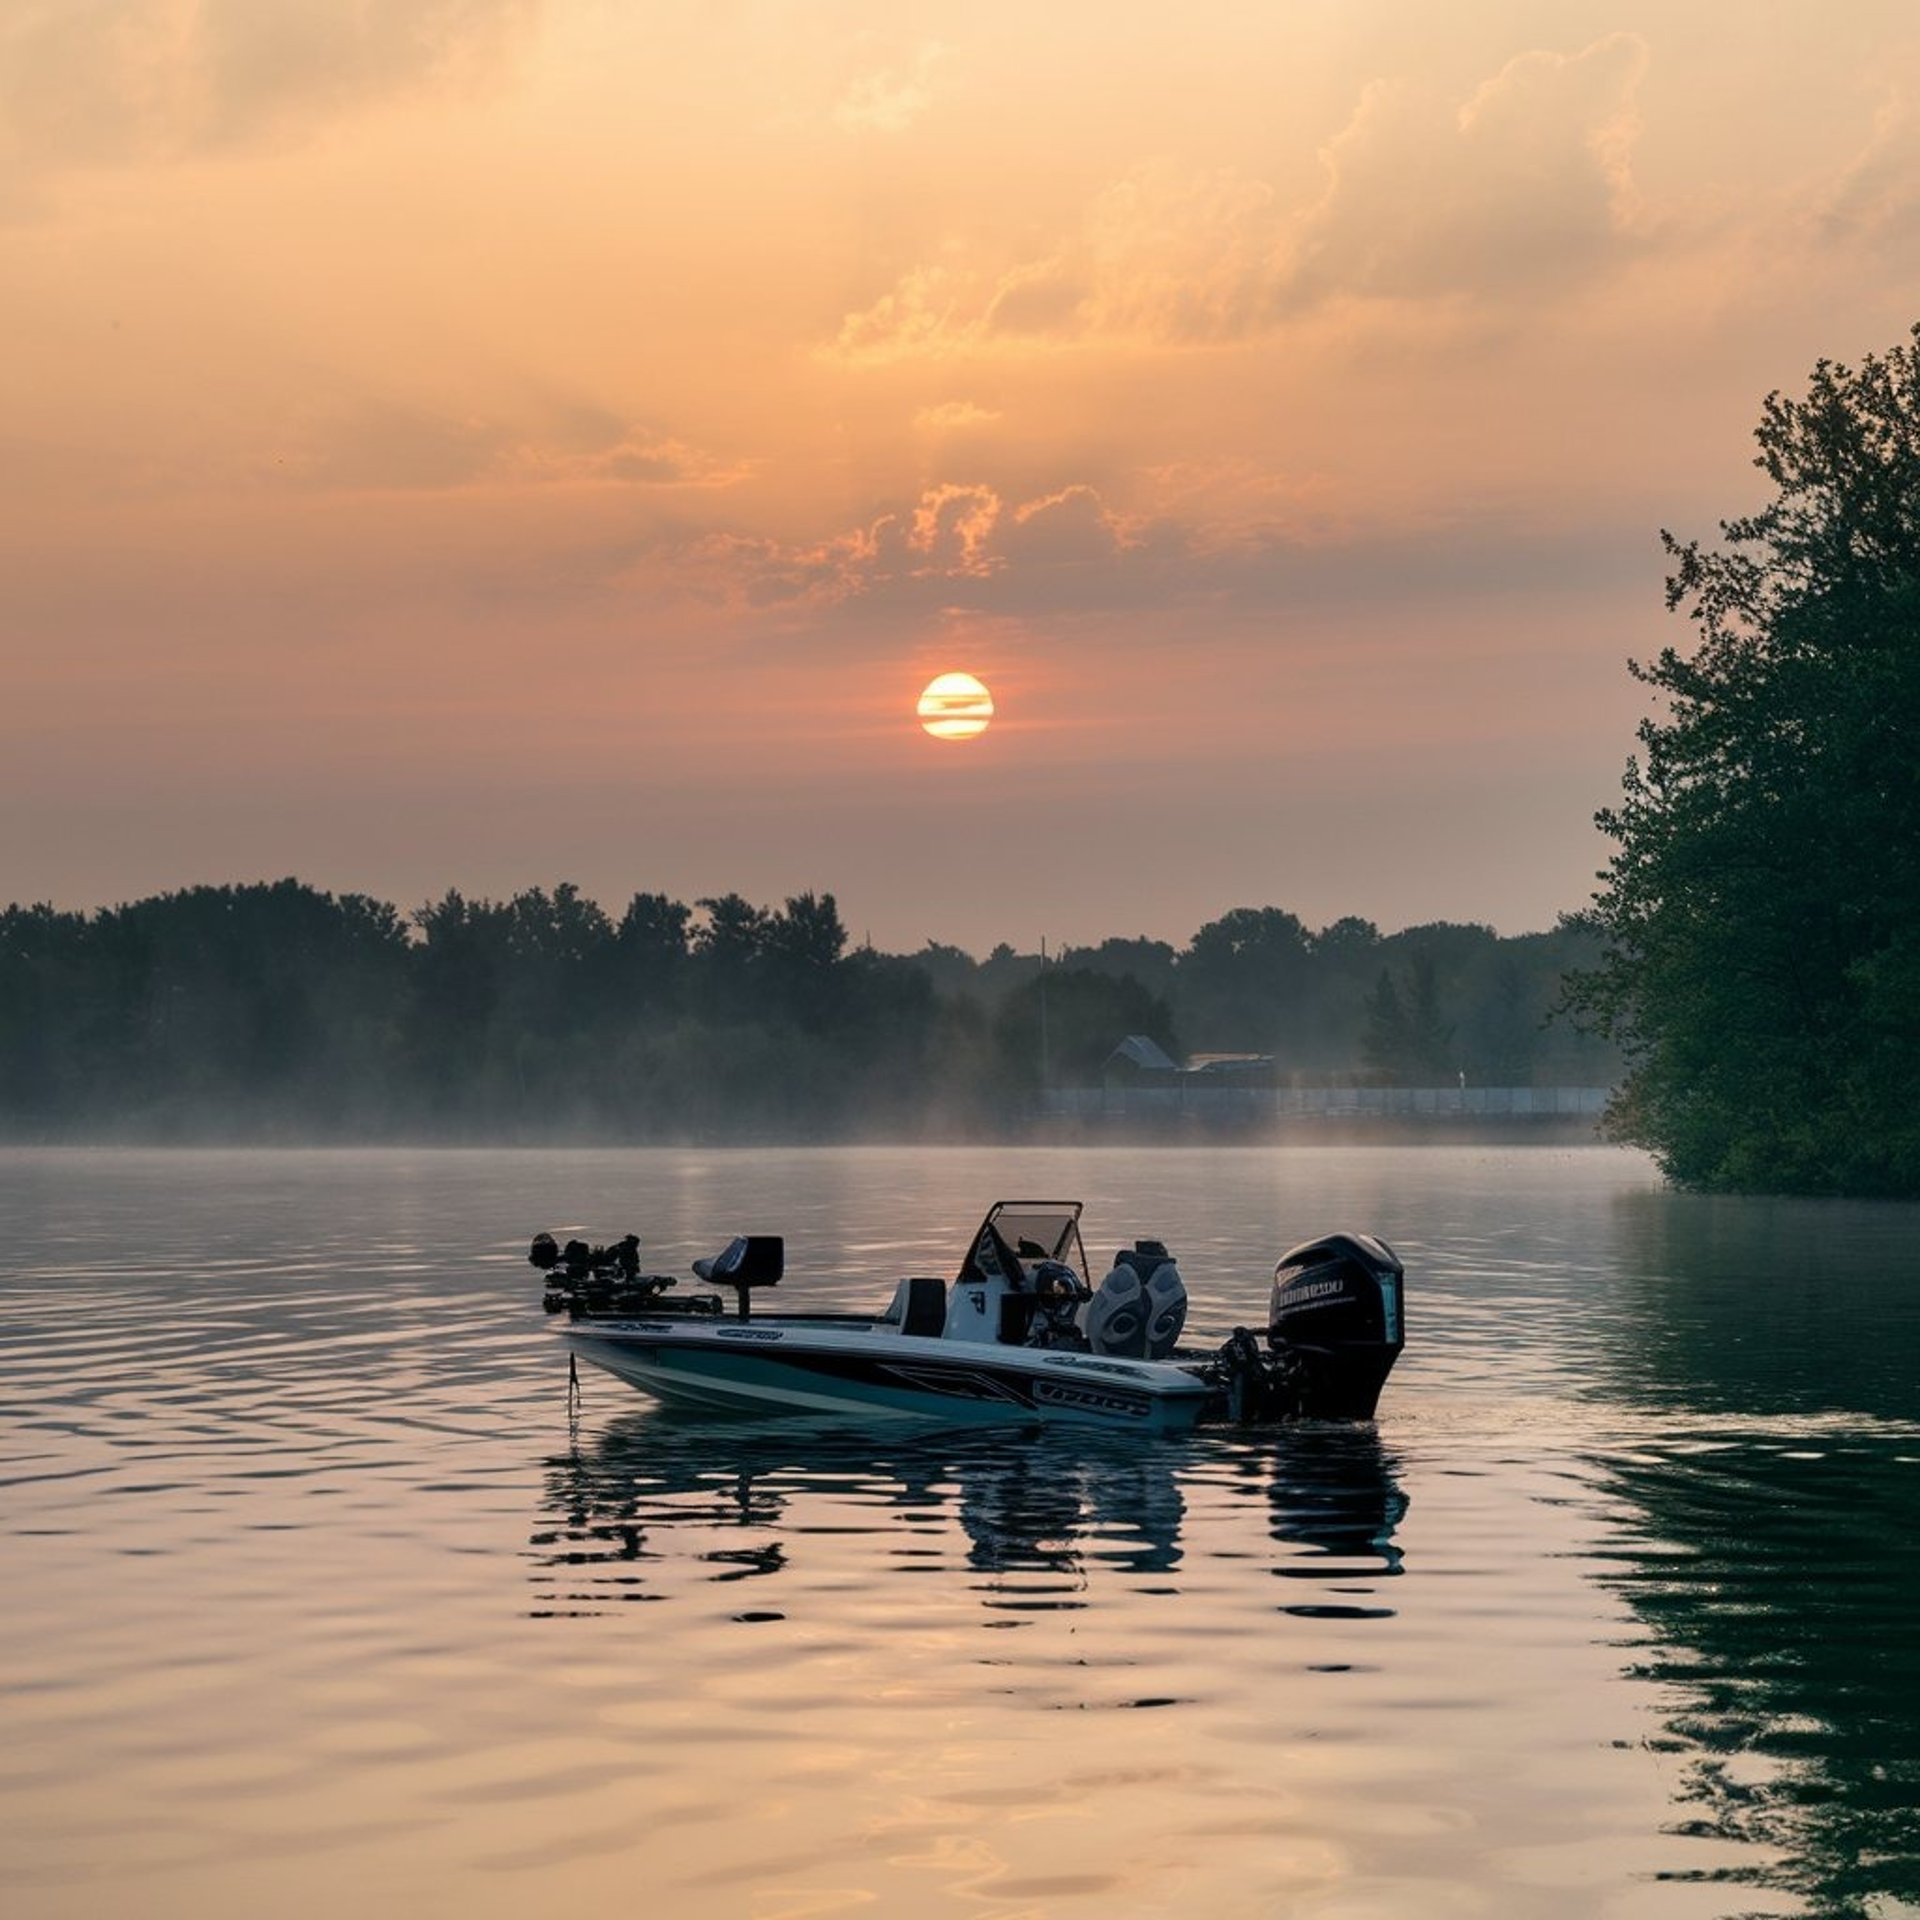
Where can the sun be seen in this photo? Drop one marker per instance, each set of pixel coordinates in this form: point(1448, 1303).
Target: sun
point(956, 706)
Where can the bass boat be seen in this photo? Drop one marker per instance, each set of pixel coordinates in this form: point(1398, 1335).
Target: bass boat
point(1021, 1334)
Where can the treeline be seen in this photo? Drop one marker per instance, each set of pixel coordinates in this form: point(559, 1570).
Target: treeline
point(283, 1012)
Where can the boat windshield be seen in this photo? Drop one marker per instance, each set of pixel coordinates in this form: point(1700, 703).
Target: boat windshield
point(1016, 1233)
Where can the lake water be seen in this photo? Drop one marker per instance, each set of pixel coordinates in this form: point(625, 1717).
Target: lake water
point(319, 1601)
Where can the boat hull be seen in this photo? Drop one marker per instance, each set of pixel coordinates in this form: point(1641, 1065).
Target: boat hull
point(762, 1368)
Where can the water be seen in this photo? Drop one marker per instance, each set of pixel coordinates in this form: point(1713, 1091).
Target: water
point(316, 1601)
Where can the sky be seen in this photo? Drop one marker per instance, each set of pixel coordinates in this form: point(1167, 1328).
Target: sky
point(484, 443)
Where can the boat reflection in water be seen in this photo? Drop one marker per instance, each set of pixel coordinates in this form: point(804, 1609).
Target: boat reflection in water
point(651, 1506)
point(1332, 1495)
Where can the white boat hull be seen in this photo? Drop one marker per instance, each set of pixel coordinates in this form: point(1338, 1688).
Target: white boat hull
point(873, 1370)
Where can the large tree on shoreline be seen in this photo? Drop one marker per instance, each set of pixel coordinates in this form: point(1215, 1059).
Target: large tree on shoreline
point(1762, 913)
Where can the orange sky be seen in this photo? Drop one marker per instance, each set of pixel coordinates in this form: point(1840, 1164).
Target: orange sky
point(486, 442)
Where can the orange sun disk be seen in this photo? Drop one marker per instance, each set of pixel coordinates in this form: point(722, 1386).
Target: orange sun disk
point(956, 706)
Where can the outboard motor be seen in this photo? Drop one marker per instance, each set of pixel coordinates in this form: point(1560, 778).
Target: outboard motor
point(1335, 1323)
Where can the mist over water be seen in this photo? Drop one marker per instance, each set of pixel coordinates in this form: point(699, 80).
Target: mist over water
point(318, 1596)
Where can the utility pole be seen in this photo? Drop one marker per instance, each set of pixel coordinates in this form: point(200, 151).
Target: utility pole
point(1045, 1076)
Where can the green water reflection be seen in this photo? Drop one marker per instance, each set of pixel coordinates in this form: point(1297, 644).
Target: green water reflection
point(1769, 1538)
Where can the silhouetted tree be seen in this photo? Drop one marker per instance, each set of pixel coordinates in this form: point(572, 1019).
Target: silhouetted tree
point(1346, 940)
point(801, 950)
point(1242, 983)
point(727, 950)
point(1762, 914)
point(1151, 962)
point(650, 947)
point(951, 970)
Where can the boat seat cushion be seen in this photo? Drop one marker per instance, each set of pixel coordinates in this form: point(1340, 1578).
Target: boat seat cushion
point(1134, 1315)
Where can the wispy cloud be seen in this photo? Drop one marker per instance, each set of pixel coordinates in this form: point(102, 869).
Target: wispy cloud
point(108, 82)
point(637, 459)
point(1876, 199)
point(954, 416)
point(931, 309)
point(377, 445)
point(890, 99)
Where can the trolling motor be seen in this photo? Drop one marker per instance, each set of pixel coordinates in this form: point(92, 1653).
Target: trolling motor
point(1335, 1326)
point(583, 1279)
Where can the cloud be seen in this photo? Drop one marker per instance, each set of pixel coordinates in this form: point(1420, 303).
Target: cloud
point(1526, 185)
point(1876, 201)
point(751, 571)
point(110, 82)
point(1522, 189)
point(1067, 562)
point(942, 538)
point(954, 537)
point(954, 416)
point(1070, 528)
point(889, 100)
point(923, 312)
point(1229, 504)
point(952, 527)
point(1183, 257)
point(636, 459)
point(1040, 297)
point(380, 445)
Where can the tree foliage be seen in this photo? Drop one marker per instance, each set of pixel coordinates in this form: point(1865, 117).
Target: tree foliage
point(1762, 913)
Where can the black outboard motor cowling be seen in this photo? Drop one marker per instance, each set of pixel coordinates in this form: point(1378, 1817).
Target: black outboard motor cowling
point(1337, 1322)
